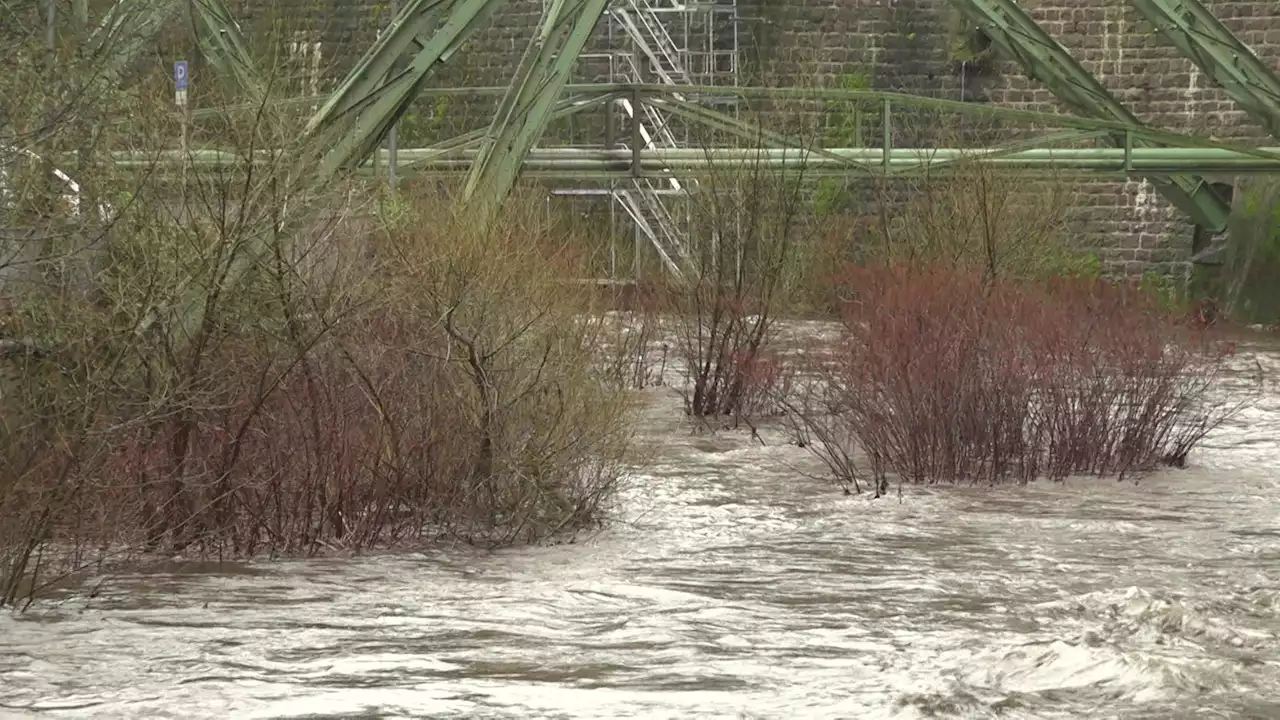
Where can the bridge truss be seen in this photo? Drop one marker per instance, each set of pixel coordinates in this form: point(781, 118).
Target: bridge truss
point(656, 81)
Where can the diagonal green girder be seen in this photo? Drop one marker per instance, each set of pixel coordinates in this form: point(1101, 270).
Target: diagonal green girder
point(526, 108)
point(381, 86)
point(127, 30)
point(1048, 62)
point(1215, 50)
point(473, 138)
point(223, 45)
point(129, 27)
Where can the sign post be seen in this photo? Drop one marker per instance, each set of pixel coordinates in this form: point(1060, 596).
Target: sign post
point(181, 82)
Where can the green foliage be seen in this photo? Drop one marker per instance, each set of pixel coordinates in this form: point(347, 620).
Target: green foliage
point(1066, 262)
point(423, 128)
point(394, 211)
point(858, 80)
point(843, 118)
point(1169, 294)
point(827, 196)
point(966, 44)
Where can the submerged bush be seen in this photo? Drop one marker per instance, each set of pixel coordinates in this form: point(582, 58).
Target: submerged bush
point(947, 375)
point(361, 388)
point(747, 231)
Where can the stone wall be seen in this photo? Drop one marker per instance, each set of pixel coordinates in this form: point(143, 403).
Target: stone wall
point(912, 46)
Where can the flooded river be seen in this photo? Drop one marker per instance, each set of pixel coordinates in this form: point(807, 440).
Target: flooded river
point(731, 585)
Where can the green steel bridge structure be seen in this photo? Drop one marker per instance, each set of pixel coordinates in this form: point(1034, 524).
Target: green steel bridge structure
point(355, 122)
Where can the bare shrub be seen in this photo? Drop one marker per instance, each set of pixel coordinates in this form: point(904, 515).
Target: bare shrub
point(431, 381)
point(631, 339)
point(544, 437)
point(747, 226)
point(252, 366)
point(973, 216)
point(52, 408)
point(814, 414)
point(946, 376)
point(60, 367)
point(963, 213)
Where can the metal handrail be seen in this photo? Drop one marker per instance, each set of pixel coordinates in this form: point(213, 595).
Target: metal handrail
point(645, 12)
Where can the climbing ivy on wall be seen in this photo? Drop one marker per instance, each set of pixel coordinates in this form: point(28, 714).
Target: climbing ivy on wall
point(845, 125)
point(968, 49)
point(1248, 282)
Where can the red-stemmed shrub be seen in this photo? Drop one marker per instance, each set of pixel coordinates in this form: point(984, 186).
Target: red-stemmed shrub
point(434, 382)
point(946, 375)
point(762, 377)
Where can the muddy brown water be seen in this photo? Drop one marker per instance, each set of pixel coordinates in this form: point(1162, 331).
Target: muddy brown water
point(731, 585)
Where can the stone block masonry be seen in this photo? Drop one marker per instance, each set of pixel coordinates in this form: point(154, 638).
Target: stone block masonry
point(916, 46)
point(912, 46)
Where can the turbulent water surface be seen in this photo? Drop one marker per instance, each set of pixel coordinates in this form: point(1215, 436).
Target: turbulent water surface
point(733, 585)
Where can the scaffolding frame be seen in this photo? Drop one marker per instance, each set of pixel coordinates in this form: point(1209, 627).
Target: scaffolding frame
point(675, 44)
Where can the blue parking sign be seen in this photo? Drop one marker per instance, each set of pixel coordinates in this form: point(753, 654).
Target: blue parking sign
point(180, 76)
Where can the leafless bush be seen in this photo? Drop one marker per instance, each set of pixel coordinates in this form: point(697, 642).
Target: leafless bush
point(814, 414)
point(250, 364)
point(428, 381)
point(947, 376)
point(59, 365)
point(748, 223)
point(544, 436)
point(964, 214)
point(633, 347)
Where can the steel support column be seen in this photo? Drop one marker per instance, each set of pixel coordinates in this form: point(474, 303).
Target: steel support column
point(526, 108)
point(1045, 60)
point(1223, 58)
point(379, 89)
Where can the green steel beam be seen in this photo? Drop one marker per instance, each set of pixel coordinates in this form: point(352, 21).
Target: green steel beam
point(1155, 136)
point(1227, 61)
point(584, 97)
point(868, 161)
point(127, 30)
point(1141, 134)
point(526, 108)
point(1048, 62)
point(381, 86)
point(756, 135)
point(844, 161)
point(129, 27)
point(223, 45)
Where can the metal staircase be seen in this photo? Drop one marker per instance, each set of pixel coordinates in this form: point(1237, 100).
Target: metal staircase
point(640, 19)
point(642, 202)
point(662, 42)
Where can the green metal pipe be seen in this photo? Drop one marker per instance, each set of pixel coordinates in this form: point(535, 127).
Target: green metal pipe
point(871, 98)
point(1136, 160)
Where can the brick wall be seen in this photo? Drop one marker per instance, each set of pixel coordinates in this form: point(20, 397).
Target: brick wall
point(900, 45)
point(906, 45)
